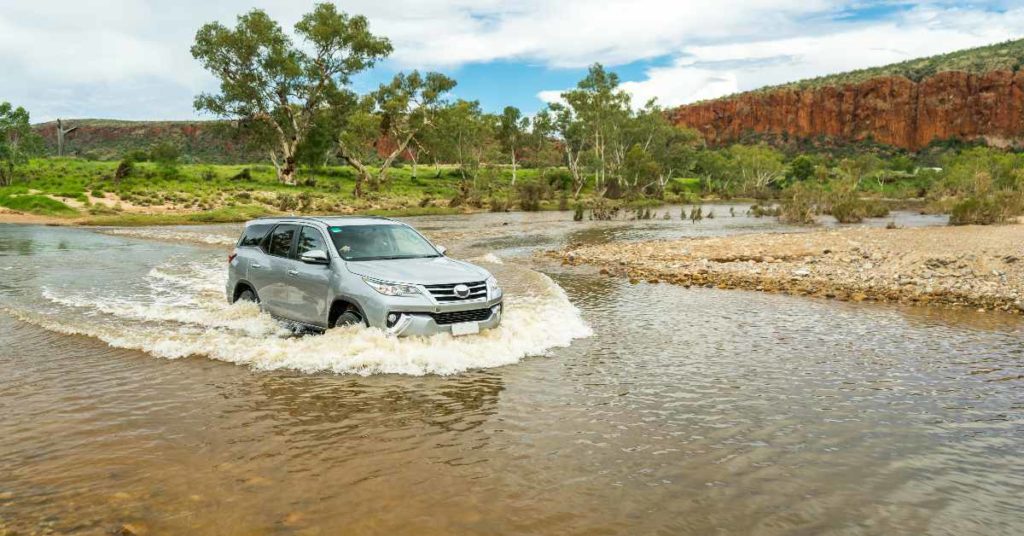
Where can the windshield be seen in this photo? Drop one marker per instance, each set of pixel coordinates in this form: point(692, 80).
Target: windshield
point(378, 242)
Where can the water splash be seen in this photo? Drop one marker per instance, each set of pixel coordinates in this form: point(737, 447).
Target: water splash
point(489, 258)
point(179, 310)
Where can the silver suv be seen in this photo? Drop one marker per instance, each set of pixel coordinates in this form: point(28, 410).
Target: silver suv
point(336, 271)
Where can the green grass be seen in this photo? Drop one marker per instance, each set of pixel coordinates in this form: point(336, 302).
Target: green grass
point(36, 204)
point(208, 193)
point(221, 215)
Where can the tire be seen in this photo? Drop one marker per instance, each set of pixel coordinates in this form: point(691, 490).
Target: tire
point(350, 317)
point(247, 295)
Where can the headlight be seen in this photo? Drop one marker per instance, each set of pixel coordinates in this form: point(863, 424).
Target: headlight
point(392, 289)
point(492, 286)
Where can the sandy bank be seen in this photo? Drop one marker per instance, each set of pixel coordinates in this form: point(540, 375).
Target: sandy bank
point(972, 266)
point(10, 216)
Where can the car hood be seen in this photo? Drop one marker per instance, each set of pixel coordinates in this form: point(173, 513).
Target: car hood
point(426, 271)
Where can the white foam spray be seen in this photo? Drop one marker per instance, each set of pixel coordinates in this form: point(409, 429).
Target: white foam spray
point(182, 312)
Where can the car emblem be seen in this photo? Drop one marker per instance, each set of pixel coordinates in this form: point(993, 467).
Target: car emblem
point(462, 291)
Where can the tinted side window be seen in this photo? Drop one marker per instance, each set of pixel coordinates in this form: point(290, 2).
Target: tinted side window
point(280, 242)
point(253, 235)
point(309, 240)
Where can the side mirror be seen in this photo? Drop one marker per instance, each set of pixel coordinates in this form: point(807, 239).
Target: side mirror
point(441, 249)
point(314, 256)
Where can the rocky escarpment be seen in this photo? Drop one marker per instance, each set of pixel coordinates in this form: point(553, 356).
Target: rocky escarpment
point(893, 110)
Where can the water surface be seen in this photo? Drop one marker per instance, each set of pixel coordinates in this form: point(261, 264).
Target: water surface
point(132, 394)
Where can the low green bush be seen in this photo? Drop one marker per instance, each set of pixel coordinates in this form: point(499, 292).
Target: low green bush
point(987, 210)
point(531, 194)
point(848, 211)
point(498, 204)
point(800, 205)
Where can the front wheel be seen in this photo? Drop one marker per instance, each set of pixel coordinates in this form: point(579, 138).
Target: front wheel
point(247, 295)
point(350, 317)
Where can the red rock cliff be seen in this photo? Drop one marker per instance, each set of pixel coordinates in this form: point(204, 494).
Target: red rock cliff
point(891, 110)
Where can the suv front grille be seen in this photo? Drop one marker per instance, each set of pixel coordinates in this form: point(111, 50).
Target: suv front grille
point(454, 317)
point(446, 292)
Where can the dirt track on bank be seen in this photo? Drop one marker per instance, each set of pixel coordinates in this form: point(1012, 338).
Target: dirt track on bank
point(973, 266)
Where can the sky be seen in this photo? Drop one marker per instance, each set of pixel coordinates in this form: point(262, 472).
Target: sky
point(125, 59)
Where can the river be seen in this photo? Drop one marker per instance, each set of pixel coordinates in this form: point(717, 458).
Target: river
point(133, 398)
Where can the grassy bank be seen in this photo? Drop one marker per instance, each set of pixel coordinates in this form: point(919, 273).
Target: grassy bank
point(87, 192)
point(70, 190)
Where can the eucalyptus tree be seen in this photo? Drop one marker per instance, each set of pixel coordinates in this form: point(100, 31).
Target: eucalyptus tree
point(512, 128)
point(276, 85)
point(757, 166)
point(17, 140)
point(601, 108)
point(574, 140)
point(464, 135)
point(540, 144)
point(393, 114)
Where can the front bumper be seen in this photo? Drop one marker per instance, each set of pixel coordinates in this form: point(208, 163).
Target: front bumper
point(424, 324)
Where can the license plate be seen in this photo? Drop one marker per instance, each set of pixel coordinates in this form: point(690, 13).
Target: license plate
point(465, 328)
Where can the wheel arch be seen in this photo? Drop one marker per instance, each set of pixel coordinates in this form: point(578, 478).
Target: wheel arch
point(240, 286)
point(340, 305)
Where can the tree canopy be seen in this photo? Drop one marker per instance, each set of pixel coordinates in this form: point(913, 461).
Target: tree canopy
point(276, 85)
point(17, 141)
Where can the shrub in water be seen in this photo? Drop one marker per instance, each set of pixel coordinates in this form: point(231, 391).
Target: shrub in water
point(530, 196)
point(760, 211)
point(874, 208)
point(498, 204)
point(849, 211)
point(799, 206)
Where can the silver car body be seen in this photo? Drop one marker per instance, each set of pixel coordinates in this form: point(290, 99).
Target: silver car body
point(453, 296)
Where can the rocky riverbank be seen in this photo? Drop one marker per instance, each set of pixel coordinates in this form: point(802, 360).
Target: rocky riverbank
point(979, 267)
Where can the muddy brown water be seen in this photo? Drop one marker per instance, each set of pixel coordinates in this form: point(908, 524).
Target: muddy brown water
point(132, 397)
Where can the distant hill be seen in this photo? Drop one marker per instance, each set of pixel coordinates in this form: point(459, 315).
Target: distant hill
point(108, 139)
point(1006, 56)
point(966, 95)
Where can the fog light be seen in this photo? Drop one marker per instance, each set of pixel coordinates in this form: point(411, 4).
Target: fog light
point(496, 310)
point(392, 319)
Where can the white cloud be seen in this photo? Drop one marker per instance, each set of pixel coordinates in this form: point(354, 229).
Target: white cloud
point(574, 33)
point(708, 71)
point(130, 59)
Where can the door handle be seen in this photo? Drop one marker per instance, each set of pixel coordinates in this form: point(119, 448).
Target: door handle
point(293, 272)
point(255, 265)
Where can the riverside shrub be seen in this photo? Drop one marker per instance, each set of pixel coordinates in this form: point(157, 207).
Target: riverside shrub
point(987, 210)
point(855, 210)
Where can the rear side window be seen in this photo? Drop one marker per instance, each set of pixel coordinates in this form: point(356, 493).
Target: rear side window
point(253, 235)
point(280, 242)
point(309, 240)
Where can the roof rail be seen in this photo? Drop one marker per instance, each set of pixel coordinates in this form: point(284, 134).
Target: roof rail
point(321, 219)
point(310, 218)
